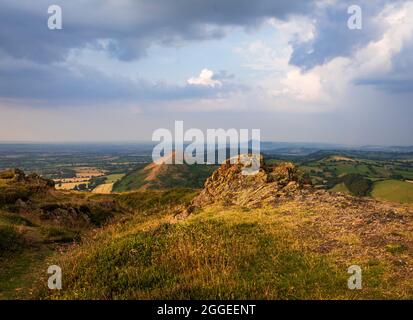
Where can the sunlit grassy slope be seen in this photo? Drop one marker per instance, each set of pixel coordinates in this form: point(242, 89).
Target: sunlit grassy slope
point(341, 187)
point(393, 190)
point(165, 177)
point(230, 253)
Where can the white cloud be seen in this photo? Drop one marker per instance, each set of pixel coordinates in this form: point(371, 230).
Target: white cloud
point(205, 78)
point(287, 87)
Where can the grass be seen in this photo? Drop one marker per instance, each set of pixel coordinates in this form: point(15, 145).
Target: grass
point(156, 200)
point(131, 181)
point(112, 178)
point(10, 240)
point(228, 253)
point(340, 187)
point(198, 259)
point(171, 176)
point(60, 234)
point(18, 272)
point(296, 250)
point(15, 219)
point(393, 190)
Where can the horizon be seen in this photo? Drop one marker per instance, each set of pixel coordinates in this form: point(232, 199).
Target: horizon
point(125, 142)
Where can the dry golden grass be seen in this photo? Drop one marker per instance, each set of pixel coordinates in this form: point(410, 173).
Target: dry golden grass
point(295, 250)
point(69, 185)
point(105, 188)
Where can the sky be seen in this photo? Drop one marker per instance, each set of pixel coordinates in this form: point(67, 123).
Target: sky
point(120, 69)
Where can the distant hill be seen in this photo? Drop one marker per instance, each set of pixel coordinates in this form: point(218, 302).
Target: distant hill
point(165, 176)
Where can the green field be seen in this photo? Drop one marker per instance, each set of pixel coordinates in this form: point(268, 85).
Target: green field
point(393, 190)
point(112, 178)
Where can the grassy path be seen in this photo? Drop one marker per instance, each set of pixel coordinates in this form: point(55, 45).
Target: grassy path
point(17, 276)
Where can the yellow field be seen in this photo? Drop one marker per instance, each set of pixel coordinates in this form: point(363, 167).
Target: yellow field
point(70, 185)
point(103, 188)
point(341, 158)
point(70, 180)
point(88, 172)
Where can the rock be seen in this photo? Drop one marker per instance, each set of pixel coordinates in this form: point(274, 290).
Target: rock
point(228, 185)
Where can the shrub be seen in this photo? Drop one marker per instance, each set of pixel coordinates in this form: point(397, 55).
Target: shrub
point(10, 240)
point(357, 184)
point(59, 234)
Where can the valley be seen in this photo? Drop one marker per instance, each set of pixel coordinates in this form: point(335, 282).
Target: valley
point(120, 168)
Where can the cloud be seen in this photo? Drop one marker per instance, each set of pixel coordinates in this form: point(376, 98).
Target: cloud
point(36, 63)
point(310, 63)
point(205, 78)
point(61, 84)
point(326, 79)
point(130, 27)
point(331, 36)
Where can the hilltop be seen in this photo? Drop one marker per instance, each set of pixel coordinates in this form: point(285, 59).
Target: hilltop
point(159, 175)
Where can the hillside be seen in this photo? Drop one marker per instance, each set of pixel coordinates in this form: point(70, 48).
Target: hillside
point(393, 190)
point(296, 247)
point(36, 220)
point(165, 176)
point(362, 174)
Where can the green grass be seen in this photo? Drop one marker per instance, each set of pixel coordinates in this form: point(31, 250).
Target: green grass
point(172, 176)
point(60, 234)
point(199, 259)
point(10, 240)
point(219, 253)
point(112, 178)
point(15, 219)
point(156, 200)
point(352, 168)
point(131, 181)
point(393, 190)
point(341, 187)
point(19, 272)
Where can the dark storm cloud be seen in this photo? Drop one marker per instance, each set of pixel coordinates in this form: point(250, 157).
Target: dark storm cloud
point(333, 38)
point(131, 25)
point(129, 28)
point(399, 79)
point(388, 84)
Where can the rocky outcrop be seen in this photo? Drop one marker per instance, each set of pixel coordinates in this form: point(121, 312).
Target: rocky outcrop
point(16, 187)
point(17, 176)
point(271, 184)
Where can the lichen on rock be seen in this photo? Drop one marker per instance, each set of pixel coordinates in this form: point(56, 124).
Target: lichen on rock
point(272, 182)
